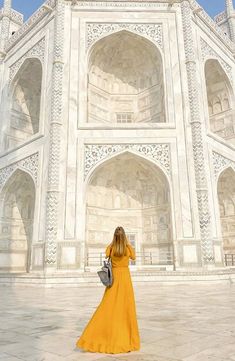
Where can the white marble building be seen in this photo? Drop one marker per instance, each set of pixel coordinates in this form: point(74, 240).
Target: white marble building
point(117, 113)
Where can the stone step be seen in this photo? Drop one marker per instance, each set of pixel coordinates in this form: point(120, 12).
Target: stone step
point(75, 279)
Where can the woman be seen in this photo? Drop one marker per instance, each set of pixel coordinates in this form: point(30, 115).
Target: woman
point(113, 327)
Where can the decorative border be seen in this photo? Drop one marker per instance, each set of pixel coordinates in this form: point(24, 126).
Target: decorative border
point(220, 163)
point(14, 15)
point(96, 31)
point(37, 51)
point(220, 17)
point(28, 25)
point(56, 122)
point(123, 4)
point(208, 51)
point(29, 164)
point(94, 153)
point(197, 137)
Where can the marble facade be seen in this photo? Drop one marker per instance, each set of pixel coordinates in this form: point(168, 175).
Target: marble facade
point(116, 113)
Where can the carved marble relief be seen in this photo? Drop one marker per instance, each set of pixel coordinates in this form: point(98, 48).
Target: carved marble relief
point(220, 163)
point(94, 153)
point(96, 31)
point(29, 164)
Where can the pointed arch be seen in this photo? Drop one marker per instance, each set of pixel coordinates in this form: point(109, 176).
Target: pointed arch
point(25, 103)
point(226, 200)
point(17, 201)
point(130, 190)
point(221, 102)
point(155, 163)
point(226, 167)
point(125, 80)
point(131, 31)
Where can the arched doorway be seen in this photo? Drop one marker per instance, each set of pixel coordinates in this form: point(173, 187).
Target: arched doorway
point(125, 81)
point(220, 99)
point(226, 196)
point(130, 191)
point(17, 201)
point(25, 101)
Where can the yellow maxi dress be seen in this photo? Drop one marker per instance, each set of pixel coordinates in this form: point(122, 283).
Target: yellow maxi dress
point(113, 328)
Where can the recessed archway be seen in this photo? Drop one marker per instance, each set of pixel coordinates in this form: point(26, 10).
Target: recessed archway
point(226, 196)
point(220, 99)
point(25, 99)
point(130, 191)
point(17, 201)
point(125, 80)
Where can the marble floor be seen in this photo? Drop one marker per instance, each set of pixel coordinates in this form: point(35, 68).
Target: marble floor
point(176, 323)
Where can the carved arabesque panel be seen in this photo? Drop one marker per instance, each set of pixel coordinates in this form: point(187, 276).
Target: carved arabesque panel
point(29, 164)
point(220, 163)
point(197, 138)
point(96, 31)
point(53, 198)
point(94, 153)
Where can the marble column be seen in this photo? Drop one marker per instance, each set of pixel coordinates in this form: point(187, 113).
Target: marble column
point(53, 192)
point(199, 150)
point(5, 25)
point(231, 18)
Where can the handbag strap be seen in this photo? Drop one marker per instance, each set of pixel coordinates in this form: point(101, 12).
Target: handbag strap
point(110, 254)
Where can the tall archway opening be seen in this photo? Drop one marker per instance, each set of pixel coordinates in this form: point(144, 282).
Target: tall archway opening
point(220, 99)
point(226, 196)
point(25, 101)
point(125, 81)
point(17, 202)
point(130, 191)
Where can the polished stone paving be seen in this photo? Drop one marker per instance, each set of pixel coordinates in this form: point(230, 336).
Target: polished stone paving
point(194, 322)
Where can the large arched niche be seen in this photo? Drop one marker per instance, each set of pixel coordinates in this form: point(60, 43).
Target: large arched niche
point(25, 99)
point(226, 196)
point(220, 99)
point(130, 191)
point(125, 81)
point(17, 201)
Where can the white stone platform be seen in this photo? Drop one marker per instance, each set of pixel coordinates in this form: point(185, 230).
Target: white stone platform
point(176, 323)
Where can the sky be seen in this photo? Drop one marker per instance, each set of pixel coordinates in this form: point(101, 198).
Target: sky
point(27, 7)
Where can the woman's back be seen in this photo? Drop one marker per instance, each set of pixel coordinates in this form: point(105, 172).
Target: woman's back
point(113, 327)
point(121, 261)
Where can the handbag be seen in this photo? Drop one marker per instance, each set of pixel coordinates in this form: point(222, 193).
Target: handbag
point(106, 274)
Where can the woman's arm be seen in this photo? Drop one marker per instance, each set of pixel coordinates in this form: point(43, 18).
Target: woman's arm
point(132, 251)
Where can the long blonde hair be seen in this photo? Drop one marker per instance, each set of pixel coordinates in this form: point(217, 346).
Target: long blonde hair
point(119, 242)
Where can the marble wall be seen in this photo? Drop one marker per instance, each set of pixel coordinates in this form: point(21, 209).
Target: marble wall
point(128, 103)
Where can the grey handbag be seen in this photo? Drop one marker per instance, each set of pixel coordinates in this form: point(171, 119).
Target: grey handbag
point(106, 274)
